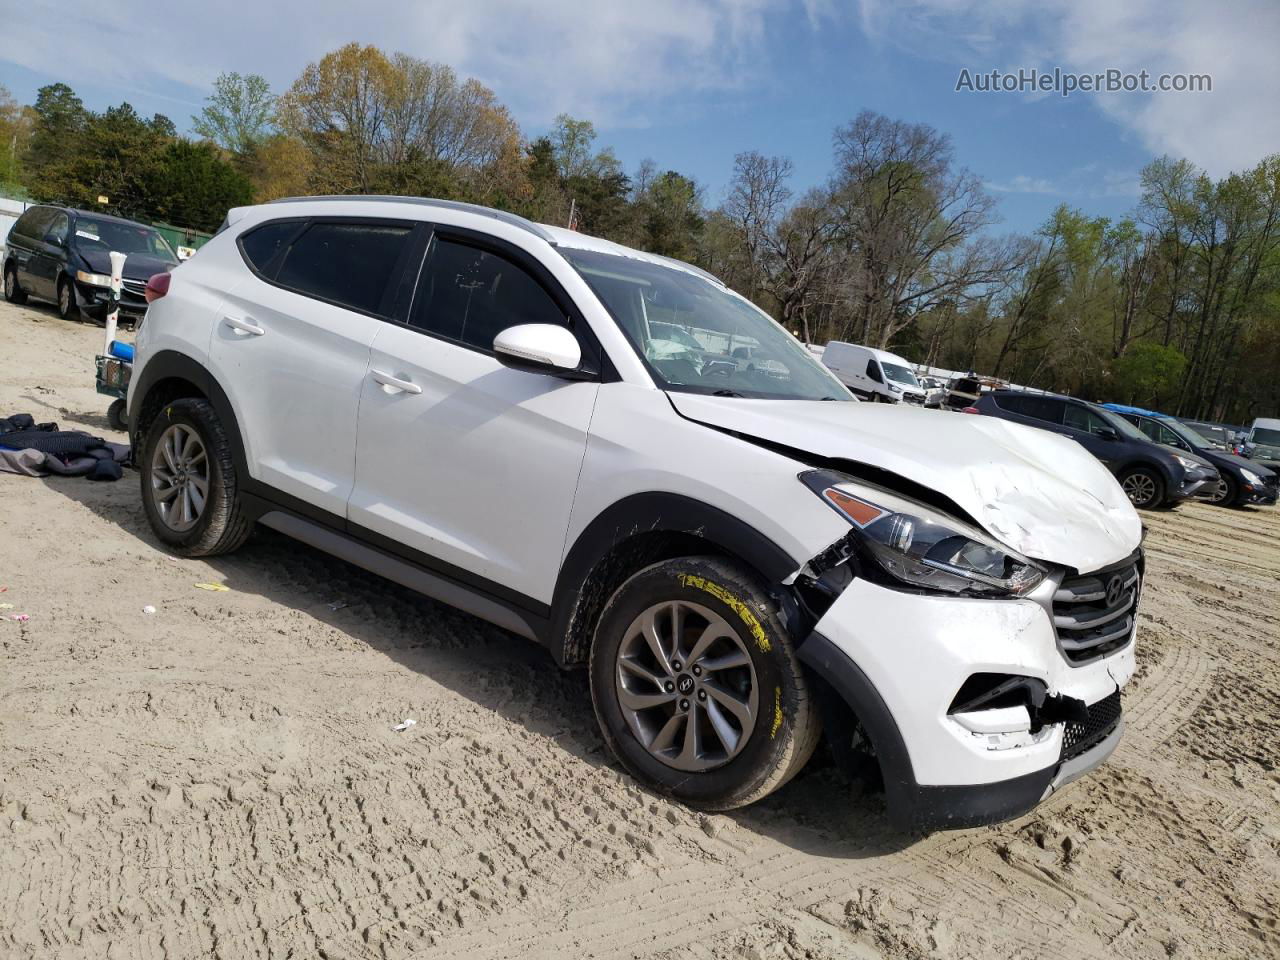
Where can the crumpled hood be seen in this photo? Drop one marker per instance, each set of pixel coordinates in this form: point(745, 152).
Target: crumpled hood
point(1042, 494)
point(137, 266)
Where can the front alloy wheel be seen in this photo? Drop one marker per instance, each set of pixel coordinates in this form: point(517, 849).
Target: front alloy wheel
point(686, 686)
point(697, 685)
point(1141, 488)
point(180, 477)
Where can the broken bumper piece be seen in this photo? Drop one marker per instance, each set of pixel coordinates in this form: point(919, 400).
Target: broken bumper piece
point(974, 714)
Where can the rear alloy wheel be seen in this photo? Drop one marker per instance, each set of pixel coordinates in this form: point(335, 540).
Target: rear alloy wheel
point(697, 687)
point(189, 481)
point(12, 292)
point(180, 477)
point(1226, 492)
point(1143, 488)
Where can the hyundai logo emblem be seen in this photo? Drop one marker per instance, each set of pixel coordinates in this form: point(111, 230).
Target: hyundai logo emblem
point(685, 683)
point(1115, 589)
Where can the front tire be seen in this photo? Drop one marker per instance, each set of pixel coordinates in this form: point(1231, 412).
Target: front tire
point(67, 308)
point(12, 292)
point(697, 687)
point(189, 483)
point(1143, 487)
point(1228, 492)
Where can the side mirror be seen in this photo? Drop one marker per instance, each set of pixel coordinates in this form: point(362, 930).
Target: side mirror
point(56, 240)
point(538, 348)
point(1107, 433)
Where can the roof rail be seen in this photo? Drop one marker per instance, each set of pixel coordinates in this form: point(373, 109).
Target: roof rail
point(500, 215)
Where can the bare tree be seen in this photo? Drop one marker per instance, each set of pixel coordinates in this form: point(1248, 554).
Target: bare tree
point(901, 209)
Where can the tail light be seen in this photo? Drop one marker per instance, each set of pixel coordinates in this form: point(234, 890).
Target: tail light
point(156, 287)
point(971, 410)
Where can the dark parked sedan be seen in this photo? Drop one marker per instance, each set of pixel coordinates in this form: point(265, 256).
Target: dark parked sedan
point(1240, 481)
point(62, 255)
point(1151, 474)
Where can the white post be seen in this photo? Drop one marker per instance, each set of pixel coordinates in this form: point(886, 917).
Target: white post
point(117, 271)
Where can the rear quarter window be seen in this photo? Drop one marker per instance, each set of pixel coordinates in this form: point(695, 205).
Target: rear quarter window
point(261, 245)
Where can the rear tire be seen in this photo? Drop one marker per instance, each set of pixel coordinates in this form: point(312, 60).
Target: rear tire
point(12, 292)
point(725, 665)
point(189, 482)
point(116, 414)
point(1143, 487)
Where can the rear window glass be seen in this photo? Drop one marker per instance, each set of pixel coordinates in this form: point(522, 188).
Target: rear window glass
point(345, 263)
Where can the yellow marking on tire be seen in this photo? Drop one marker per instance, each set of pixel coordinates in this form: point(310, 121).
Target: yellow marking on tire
point(740, 608)
point(777, 712)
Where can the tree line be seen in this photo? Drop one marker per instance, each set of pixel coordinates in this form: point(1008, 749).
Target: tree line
point(1176, 306)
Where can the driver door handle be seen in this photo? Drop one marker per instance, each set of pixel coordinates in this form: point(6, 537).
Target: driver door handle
point(395, 383)
point(246, 325)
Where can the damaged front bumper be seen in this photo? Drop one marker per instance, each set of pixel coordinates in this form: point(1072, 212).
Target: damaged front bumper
point(974, 712)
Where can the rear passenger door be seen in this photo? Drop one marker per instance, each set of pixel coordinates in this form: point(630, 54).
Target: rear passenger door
point(470, 465)
point(292, 342)
point(27, 246)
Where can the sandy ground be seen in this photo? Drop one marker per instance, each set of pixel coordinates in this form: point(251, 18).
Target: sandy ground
point(221, 779)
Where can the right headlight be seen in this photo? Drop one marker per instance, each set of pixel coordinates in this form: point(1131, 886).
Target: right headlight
point(1187, 464)
point(93, 279)
point(1251, 476)
point(922, 547)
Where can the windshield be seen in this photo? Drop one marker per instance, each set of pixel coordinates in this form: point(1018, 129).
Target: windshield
point(107, 235)
point(1270, 438)
point(899, 373)
point(696, 337)
point(1196, 441)
point(1121, 425)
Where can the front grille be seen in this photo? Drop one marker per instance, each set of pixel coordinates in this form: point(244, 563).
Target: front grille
point(913, 398)
point(1095, 614)
point(1101, 718)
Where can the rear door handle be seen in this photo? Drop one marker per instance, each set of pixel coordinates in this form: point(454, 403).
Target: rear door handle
point(395, 383)
point(246, 325)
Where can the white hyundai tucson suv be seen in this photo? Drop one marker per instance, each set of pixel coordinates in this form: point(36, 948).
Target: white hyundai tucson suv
point(615, 455)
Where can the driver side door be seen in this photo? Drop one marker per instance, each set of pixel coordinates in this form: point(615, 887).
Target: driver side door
point(471, 465)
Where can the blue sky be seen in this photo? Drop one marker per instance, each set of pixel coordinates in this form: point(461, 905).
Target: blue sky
point(690, 83)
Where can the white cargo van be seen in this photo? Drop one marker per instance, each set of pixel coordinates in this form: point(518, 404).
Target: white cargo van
point(873, 374)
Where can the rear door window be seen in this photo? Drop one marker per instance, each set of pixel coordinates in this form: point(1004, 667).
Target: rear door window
point(350, 264)
point(469, 295)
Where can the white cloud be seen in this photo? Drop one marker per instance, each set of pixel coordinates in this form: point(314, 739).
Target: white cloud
point(1231, 128)
point(610, 61)
point(1023, 184)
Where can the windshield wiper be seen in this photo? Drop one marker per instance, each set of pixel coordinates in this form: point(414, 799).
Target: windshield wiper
point(830, 398)
point(725, 392)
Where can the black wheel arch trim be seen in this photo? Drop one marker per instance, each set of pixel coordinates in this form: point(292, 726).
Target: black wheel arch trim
point(912, 806)
point(645, 513)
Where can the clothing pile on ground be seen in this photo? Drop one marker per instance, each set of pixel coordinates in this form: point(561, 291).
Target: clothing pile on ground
point(39, 449)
